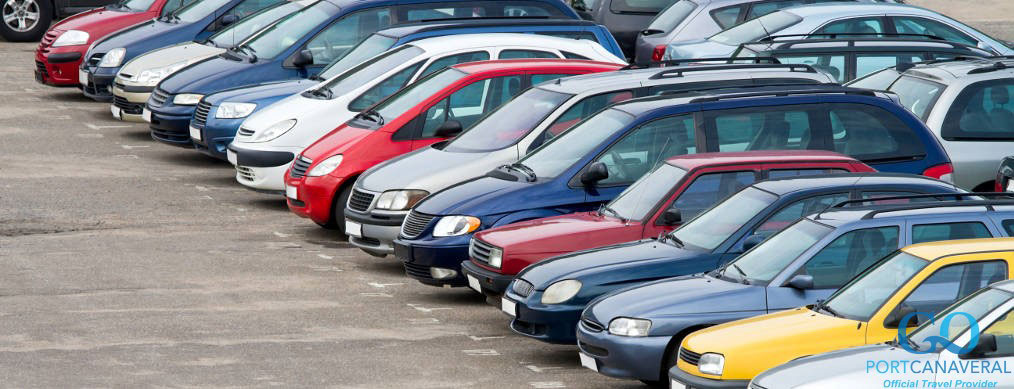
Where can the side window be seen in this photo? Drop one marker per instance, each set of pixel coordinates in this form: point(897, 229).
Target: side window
point(340, 37)
point(521, 54)
point(1008, 225)
point(948, 231)
point(850, 254)
point(467, 104)
point(832, 64)
point(853, 26)
point(727, 17)
point(516, 10)
point(779, 173)
point(764, 8)
point(455, 59)
point(792, 212)
point(951, 283)
point(383, 89)
point(914, 25)
point(638, 151)
point(982, 111)
point(1003, 330)
point(867, 132)
point(579, 111)
point(569, 55)
point(709, 189)
point(869, 63)
point(416, 13)
point(768, 128)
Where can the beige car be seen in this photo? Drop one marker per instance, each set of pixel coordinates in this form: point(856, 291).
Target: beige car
point(136, 79)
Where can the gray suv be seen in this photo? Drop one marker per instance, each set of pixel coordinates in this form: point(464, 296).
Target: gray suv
point(624, 18)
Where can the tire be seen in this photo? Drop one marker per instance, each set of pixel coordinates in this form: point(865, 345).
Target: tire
point(337, 219)
point(16, 24)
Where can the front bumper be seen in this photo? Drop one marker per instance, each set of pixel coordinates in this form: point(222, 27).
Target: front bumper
point(315, 196)
point(638, 358)
point(261, 170)
point(491, 283)
point(100, 83)
point(554, 323)
point(216, 134)
point(420, 259)
point(379, 231)
point(170, 124)
point(130, 99)
point(58, 66)
point(677, 375)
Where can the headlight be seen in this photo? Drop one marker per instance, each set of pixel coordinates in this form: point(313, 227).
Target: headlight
point(625, 326)
point(397, 200)
point(495, 257)
point(113, 58)
point(187, 99)
point(234, 110)
point(276, 130)
point(326, 166)
point(711, 363)
point(150, 77)
point(71, 38)
point(455, 225)
point(561, 291)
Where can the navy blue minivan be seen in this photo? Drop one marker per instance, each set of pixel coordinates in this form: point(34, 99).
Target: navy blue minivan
point(301, 44)
point(599, 157)
point(218, 126)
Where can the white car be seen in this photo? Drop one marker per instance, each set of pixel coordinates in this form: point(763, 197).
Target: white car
point(269, 140)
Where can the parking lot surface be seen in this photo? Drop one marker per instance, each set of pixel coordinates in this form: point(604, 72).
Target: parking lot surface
point(128, 263)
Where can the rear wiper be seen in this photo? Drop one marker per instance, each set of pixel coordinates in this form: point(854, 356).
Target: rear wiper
point(371, 115)
point(529, 172)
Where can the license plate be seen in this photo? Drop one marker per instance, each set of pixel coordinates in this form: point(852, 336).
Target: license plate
point(195, 133)
point(673, 384)
point(82, 77)
point(508, 307)
point(353, 229)
point(117, 113)
point(588, 361)
point(292, 192)
point(473, 283)
point(231, 156)
point(146, 115)
point(1010, 186)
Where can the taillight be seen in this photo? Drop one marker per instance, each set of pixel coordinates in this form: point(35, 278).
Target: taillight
point(658, 53)
point(943, 172)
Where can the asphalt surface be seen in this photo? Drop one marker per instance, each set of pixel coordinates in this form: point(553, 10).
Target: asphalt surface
point(127, 263)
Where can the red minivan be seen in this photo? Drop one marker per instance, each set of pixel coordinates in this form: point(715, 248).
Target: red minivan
point(675, 191)
point(432, 109)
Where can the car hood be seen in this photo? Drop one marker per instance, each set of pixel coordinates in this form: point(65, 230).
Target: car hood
point(485, 196)
point(679, 296)
point(144, 37)
point(699, 48)
point(190, 52)
point(565, 233)
point(212, 75)
point(640, 260)
point(432, 170)
point(336, 142)
point(98, 19)
point(262, 94)
point(837, 369)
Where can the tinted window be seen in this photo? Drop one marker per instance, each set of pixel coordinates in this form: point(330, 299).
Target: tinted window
point(948, 231)
point(672, 16)
point(467, 104)
point(708, 189)
point(519, 54)
point(832, 64)
point(455, 59)
point(339, 38)
point(779, 128)
point(652, 142)
point(850, 254)
point(792, 212)
point(764, 8)
point(914, 25)
point(916, 94)
point(853, 26)
point(983, 110)
point(1008, 225)
point(779, 173)
point(866, 132)
point(952, 283)
point(509, 123)
point(727, 17)
point(648, 6)
point(579, 111)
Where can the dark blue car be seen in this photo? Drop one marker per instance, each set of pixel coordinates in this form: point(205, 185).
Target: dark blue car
point(598, 158)
point(193, 22)
point(800, 265)
point(301, 44)
point(218, 115)
point(548, 297)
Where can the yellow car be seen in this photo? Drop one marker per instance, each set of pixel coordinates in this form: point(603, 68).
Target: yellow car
point(923, 278)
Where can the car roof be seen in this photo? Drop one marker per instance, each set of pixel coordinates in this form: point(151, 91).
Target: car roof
point(837, 10)
point(528, 64)
point(693, 161)
point(865, 44)
point(932, 251)
point(643, 105)
point(951, 69)
point(781, 186)
point(448, 42)
point(690, 73)
point(404, 30)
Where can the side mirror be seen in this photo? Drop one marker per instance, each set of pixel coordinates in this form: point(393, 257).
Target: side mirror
point(801, 282)
point(986, 345)
point(448, 129)
point(303, 58)
point(228, 19)
point(670, 217)
point(893, 319)
point(594, 173)
point(752, 240)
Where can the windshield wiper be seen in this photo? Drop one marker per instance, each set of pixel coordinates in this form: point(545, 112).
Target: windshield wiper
point(915, 346)
point(531, 174)
point(669, 237)
point(822, 306)
point(370, 115)
point(316, 77)
point(745, 279)
point(322, 93)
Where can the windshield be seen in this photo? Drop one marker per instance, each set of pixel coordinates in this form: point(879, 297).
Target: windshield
point(371, 70)
point(861, 297)
point(917, 95)
point(244, 28)
point(758, 28)
point(506, 125)
point(137, 5)
point(762, 263)
point(978, 305)
point(198, 10)
point(282, 35)
point(714, 226)
point(365, 50)
point(565, 150)
point(415, 93)
point(644, 194)
point(672, 16)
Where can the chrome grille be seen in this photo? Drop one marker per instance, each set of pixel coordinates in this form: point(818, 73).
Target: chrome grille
point(360, 201)
point(480, 250)
point(201, 113)
point(299, 166)
point(690, 356)
point(158, 97)
point(415, 223)
point(245, 132)
point(522, 288)
point(245, 173)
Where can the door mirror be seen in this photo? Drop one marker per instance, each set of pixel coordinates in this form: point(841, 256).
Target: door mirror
point(594, 173)
point(670, 217)
point(303, 58)
point(893, 319)
point(752, 240)
point(228, 19)
point(801, 282)
point(986, 345)
point(448, 129)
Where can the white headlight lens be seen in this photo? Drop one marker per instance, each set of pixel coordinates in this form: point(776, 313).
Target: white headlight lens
point(234, 110)
point(71, 38)
point(150, 77)
point(326, 167)
point(113, 58)
point(397, 200)
point(711, 363)
point(276, 130)
point(495, 257)
point(187, 99)
point(561, 291)
point(625, 326)
point(455, 225)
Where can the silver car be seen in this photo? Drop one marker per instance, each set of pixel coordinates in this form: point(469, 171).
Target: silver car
point(871, 366)
point(968, 104)
point(385, 193)
point(837, 18)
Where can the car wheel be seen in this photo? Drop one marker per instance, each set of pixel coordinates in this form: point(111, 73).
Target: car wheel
point(337, 221)
point(25, 20)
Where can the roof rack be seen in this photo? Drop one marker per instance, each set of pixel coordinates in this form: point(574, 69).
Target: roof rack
point(836, 35)
point(998, 65)
point(960, 200)
point(482, 18)
point(701, 61)
point(790, 92)
point(904, 66)
point(672, 73)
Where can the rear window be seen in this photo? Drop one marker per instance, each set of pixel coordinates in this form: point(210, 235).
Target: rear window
point(983, 111)
point(672, 16)
point(870, 133)
point(640, 6)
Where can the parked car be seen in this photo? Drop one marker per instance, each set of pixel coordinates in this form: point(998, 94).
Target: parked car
point(835, 19)
point(925, 277)
point(990, 307)
point(27, 20)
point(597, 159)
point(545, 300)
point(799, 265)
point(625, 18)
point(268, 141)
point(967, 104)
point(848, 58)
point(300, 45)
point(502, 137)
point(1005, 175)
point(62, 47)
point(319, 183)
point(661, 200)
point(195, 21)
point(137, 78)
point(221, 113)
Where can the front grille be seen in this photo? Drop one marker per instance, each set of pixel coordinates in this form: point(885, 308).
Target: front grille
point(245, 132)
point(94, 60)
point(201, 113)
point(42, 69)
point(158, 97)
point(299, 167)
point(126, 106)
point(593, 350)
point(417, 271)
point(480, 250)
point(245, 173)
point(592, 325)
point(522, 288)
point(360, 201)
point(415, 223)
point(690, 356)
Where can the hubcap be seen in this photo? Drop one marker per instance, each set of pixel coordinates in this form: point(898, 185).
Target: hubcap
point(21, 15)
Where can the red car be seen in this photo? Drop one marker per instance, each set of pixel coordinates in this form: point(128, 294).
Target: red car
point(60, 52)
point(432, 109)
point(658, 202)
